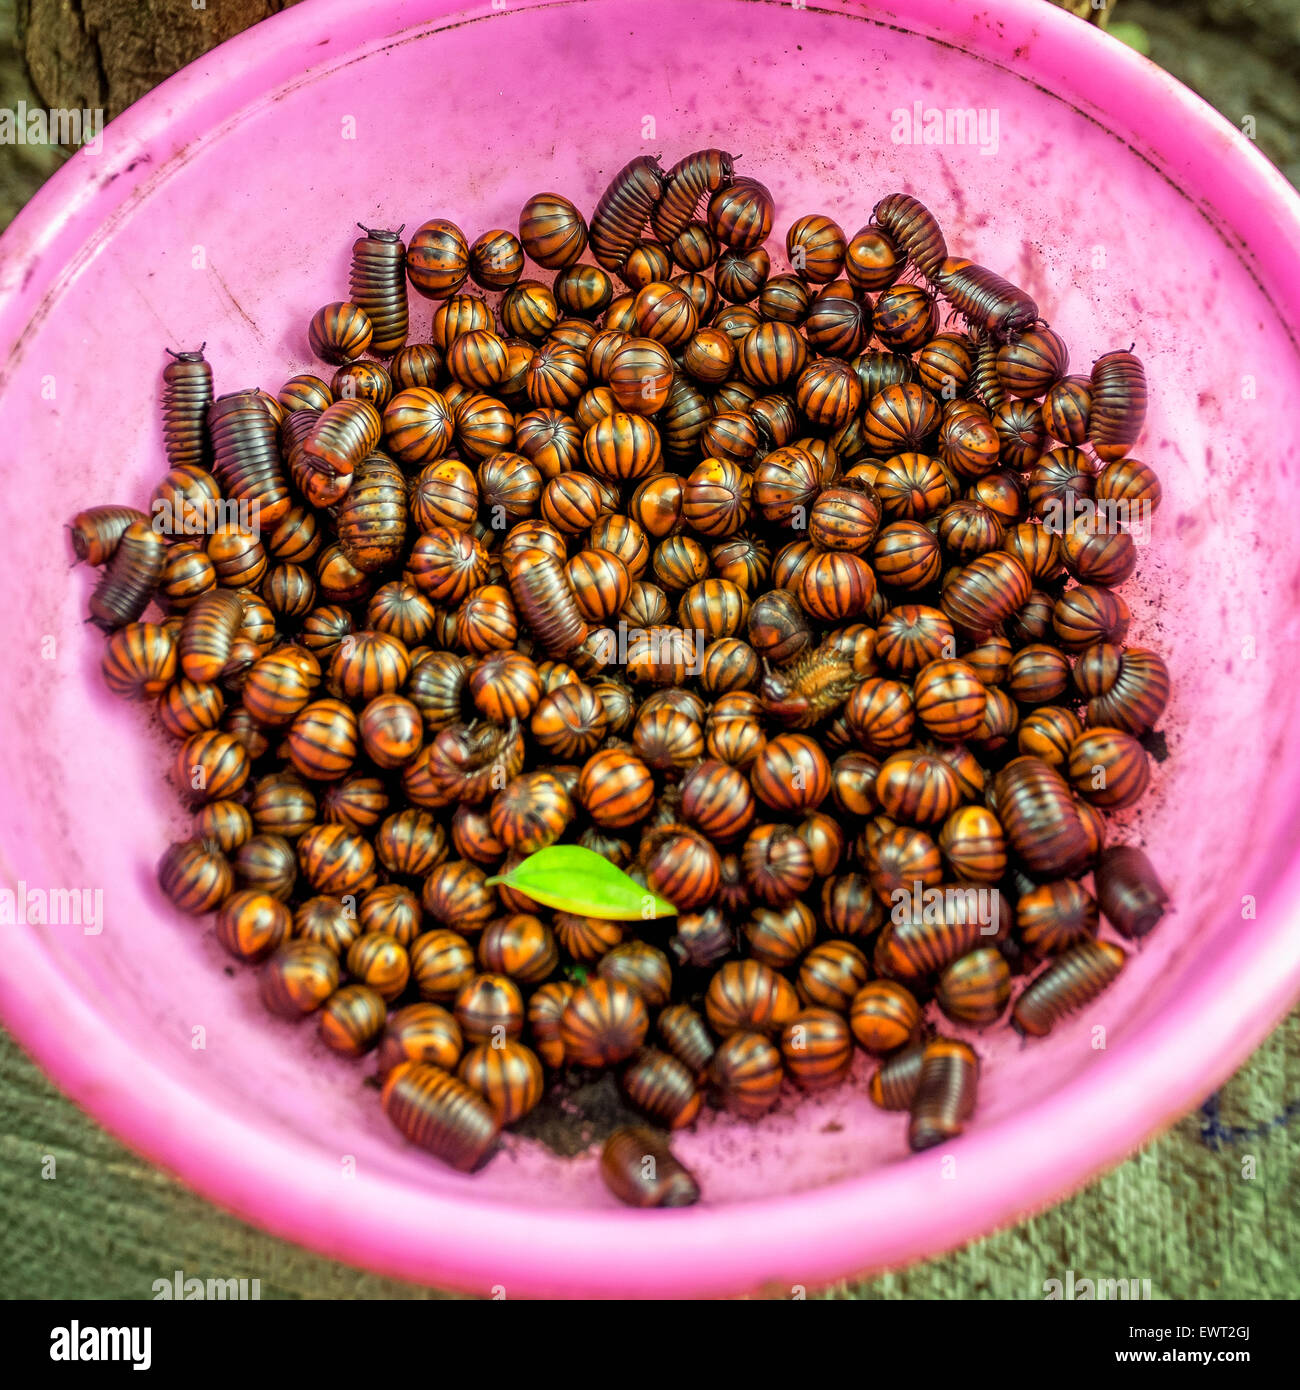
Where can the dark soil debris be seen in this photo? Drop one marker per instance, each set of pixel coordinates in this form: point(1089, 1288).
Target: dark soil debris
point(577, 1111)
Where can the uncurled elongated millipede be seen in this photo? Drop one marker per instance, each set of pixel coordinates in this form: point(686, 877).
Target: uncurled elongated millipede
point(813, 686)
point(641, 1170)
point(187, 394)
point(440, 1113)
point(95, 533)
point(697, 176)
point(984, 299)
point(911, 226)
point(1119, 404)
point(377, 282)
point(945, 1095)
point(985, 384)
point(246, 456)
point(546, 601)
point(210, 629)
point(1066, 985)
point(132, 576)
point(624, 209)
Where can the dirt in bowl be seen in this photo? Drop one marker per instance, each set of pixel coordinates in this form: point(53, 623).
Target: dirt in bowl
point(577, 1111)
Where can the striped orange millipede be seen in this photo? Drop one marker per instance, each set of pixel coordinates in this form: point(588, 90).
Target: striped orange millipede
point(912, 228)
point(987, 302)
point(894, 1083)
point(298, 978)
point(351, 1020)
point(640, 1170)
point(746, 1073)
point(945, 1094)
point(419, 1033)
point(693, 178)
point(662, 1088)
point(377, 283)
point(139, 661)
point(1119, 404)
point(624, 209)
point(130, 578)
point(508, 1076)
point(1065, 986)
point(209, 633)
point(604, 1023)
point(546, 601)
point(96, 532)
point(196, 876)
point(817, 1048)
point(1034, 805)
point(441, 1114)
point(187, 394)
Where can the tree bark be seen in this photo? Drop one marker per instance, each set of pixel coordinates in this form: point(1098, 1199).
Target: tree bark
point(105, 54)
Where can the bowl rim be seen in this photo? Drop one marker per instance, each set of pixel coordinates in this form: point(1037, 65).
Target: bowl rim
point(1243, 984)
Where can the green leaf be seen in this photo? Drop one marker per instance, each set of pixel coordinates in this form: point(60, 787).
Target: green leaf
point(574, 879)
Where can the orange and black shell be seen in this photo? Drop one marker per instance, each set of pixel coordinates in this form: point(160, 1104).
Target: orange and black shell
point(419, 1033)
point(746, 1072)
point(641, 1171)
point(681, 866)
point(521, 946)
point(604, 1022)
point(508, 1075)
point(226, 824)
point(945, 1094)
point(328, 922)
point(456, 894)
point(640, 966)
point(974, 989)
point(266, 862)
point(884, 1016)
point(352, 1020)
point(139, 661)
point(894, 1083)
point(749, 996)
point(489, 1008)
point(392, 909)
point(662, 1087)
point(817, 1048)
point(251, 925)
point(442, 964)
point(777, 864)
point(298, 978)
point(433, 1109)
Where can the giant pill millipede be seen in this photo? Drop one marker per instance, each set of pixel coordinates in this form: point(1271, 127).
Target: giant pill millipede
point(793, 596)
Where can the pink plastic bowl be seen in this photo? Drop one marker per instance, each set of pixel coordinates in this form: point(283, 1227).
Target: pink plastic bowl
point(221, 209)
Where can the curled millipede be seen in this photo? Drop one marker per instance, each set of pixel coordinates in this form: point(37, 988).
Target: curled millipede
point(697, 176)
point(187, 394)
point(623, 210)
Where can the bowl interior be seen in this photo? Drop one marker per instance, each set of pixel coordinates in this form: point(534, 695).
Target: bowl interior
point(239, 228)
